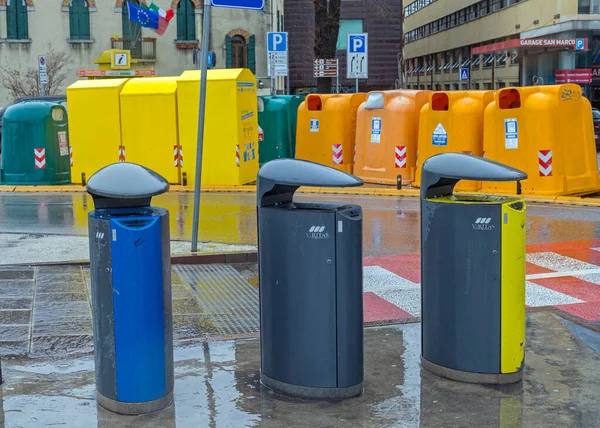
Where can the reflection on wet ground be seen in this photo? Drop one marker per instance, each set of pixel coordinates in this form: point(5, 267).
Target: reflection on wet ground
point(217, 385)
point(391, 224)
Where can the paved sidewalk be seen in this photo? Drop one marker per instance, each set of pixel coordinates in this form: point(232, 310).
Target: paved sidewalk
point(217, 385)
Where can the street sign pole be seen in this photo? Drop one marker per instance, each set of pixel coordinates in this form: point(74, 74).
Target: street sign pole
point(357, 85)
point(337, 76)
point(201, 115)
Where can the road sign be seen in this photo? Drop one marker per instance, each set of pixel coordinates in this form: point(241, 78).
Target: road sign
point(43, 68)
point(240, 4)
point(325, 68)
point(357, 56)
point(277, 54)
point(464, 74)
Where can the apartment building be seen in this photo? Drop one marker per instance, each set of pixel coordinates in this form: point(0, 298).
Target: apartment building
point(501, 43)
point(85, 28)
point(381, 19)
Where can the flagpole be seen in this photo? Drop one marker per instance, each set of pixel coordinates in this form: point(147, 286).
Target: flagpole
point(201, 114)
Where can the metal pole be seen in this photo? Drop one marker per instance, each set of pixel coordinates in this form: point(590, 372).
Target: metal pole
point(201, 114)
point(357, 86)
point(288, 83)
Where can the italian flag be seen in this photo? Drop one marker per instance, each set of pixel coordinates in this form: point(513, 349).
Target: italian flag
point(163, 18)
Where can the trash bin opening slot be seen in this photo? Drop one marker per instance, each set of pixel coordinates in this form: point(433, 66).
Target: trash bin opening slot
point(518, 206)
point(314, 103)
point(509, 99)
point(139, 223)
point(440, 102)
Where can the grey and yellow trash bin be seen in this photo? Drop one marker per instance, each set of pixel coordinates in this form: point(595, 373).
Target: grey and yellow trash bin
point(472, 273)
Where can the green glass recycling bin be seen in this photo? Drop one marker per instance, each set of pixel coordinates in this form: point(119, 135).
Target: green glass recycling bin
point(277, 116)
point(35, 144)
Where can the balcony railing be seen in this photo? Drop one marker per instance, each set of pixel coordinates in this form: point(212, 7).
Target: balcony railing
point(143, 48)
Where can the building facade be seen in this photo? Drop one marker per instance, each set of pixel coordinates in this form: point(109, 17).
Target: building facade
point(501, 43)
point(83, 29)
point(381, 19)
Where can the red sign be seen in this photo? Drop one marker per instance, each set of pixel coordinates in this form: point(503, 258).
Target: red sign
point(114, 73)
point(596, 72)
point(325, 68)
point(579, 75)
point(576, 44)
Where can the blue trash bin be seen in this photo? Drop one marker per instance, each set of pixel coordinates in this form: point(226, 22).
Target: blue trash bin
point(131, 290)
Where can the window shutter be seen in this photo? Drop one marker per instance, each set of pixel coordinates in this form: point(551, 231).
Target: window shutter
point(22, 29)
point(228, 52)
point(11, 20)
point(181, 21)
point(252, 54)
point(74, 20)
point(190, 20)
point(84, 21)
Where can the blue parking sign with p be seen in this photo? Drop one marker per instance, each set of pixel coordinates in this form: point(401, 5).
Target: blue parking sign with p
point(357, 44)
point(277, 42)
point(579, 44)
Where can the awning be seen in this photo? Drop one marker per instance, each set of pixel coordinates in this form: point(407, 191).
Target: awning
point(576, 44)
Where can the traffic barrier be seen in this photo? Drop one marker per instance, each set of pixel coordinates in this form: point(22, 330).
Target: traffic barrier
point(546, 131)
point(452, 122)
point(94, 125)
point(149, 124)
point(326, 131)
point(387, 129)
point(230, 153)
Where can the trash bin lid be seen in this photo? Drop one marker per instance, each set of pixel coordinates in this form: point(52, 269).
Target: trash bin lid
point(125, 185)
point(279, 179)
point(442, 172)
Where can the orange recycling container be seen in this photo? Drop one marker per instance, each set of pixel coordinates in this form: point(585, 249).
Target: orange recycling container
point(547, 132)
point(387, 130)
point(326, 129)
point(452, 122)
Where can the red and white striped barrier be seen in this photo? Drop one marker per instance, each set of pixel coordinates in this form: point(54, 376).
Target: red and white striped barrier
point(467, 152)
point(122, 154)
point(338, 154)
point(400, 156)
point(237, 155)
point(177, 156)
point(545, 163)
point(71, 156)
point(261, 134)
point(40, 158)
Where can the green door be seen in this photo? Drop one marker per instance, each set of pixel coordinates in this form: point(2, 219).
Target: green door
point(35, 144)
point(277, 119)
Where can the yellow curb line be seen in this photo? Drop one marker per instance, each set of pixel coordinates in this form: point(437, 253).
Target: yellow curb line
point(359, 191)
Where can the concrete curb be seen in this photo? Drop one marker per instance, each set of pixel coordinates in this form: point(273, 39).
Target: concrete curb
point(358, 191)
point(191, 259)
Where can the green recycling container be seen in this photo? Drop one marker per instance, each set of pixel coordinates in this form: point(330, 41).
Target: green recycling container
point(35, 144)
point(277, 118)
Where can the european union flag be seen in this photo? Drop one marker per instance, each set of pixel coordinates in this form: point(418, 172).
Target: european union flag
point(144, 17)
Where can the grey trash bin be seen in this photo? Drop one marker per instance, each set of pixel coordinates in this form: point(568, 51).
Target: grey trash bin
point(310, 272)
point(472, 273)
point(130, 264)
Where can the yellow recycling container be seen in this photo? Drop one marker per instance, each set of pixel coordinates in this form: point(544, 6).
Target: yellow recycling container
point(546, 131)
point(326, 130)
point(387, 129)
point(149, 125)
point(230, 153)
point(452, 122)
point(94, 125)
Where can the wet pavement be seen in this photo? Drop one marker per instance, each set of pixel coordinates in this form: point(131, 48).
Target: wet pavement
point(217, 385)
point(391, 224)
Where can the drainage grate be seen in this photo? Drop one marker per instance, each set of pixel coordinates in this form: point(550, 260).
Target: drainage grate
point(229, 300)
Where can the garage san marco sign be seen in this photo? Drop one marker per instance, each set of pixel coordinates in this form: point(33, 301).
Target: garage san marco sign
point(580, 44)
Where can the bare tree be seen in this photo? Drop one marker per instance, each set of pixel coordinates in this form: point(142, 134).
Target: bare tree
point(22, 81)
point(327, 28)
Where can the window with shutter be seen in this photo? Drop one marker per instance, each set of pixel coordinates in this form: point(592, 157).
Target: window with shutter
point(251, 54)
point(79, 19)
point(228, 52)
point(16, 20)
point(186, 21)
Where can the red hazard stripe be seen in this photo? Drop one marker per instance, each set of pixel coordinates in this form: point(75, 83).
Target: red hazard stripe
point(571, 286)
point(407, 266)
point(589, 311)
point(380, 310)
